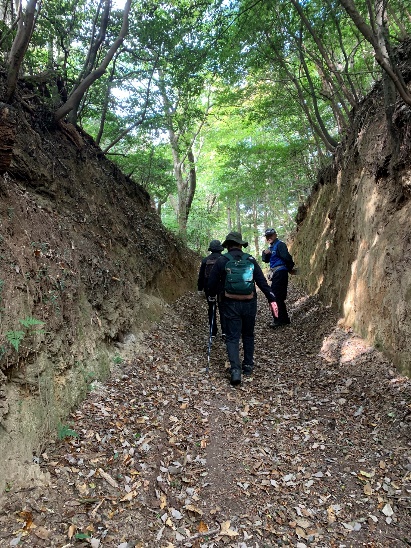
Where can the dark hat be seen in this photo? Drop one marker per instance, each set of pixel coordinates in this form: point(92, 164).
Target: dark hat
point(215, 245)
point(270, 232)
point(236, 238)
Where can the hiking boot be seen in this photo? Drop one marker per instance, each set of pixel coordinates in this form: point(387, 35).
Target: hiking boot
point(235, 378)
point(276, 325)
point(247, 370)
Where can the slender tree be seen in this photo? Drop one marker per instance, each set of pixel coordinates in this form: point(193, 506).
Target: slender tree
point(89, 74)
point(26, 20)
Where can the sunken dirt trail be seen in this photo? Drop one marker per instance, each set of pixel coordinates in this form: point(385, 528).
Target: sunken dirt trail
point(313, 450)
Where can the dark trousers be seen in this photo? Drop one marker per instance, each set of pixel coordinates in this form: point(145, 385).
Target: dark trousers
point(279, 286)
point(212, 316)
point(240, 322)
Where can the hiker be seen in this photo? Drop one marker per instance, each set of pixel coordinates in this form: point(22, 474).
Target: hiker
point(281, 263)
point(233, 280)
point(205, 268)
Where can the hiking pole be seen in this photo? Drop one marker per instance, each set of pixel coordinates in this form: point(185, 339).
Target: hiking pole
point(210, 340)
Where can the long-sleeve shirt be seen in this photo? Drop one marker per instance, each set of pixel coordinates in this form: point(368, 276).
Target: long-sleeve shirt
point(217, 277)
point(202, 279)
point(278, 256)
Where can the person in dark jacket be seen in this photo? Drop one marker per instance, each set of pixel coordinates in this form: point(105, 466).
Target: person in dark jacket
point(239, 312)
point(206, 267)
point(281, 263)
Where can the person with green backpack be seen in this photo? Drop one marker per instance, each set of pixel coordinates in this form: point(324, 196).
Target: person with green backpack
point(233, 280)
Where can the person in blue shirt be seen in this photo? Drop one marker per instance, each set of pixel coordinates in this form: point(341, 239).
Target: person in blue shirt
point(281, 263)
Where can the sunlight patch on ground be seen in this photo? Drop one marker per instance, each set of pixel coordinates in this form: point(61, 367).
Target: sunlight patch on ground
point(343, 347)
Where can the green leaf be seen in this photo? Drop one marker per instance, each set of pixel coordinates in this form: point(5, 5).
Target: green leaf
point(29, 322)
point(81, 536)
point(15, 338)
point(65, 431)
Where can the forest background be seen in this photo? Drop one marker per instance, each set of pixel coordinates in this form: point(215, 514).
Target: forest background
point(224, 111)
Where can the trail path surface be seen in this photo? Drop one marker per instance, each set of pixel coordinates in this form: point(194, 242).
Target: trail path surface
point(313, 451)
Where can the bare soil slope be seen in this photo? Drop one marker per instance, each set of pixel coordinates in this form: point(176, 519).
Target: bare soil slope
point(353, 239)
point(84, 263)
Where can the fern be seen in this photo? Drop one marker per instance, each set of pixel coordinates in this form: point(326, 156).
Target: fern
point(65, 431)
point(15, 338)
point(30, 322)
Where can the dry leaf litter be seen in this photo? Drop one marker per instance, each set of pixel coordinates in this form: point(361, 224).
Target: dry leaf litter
point(313, 450)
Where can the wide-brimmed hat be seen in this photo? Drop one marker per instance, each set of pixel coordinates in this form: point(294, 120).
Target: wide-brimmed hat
point(215, 245)
point(236, 238)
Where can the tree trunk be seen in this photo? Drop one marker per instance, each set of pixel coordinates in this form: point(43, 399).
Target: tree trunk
point(137, 122)
point(229, 223)
point(77, 94)
point(238, 214)
point(255, 230)
point(106, 103)
point(329, 63)
point(25, 26)
point(386, 64)
point(388, 84)
point(183, 158)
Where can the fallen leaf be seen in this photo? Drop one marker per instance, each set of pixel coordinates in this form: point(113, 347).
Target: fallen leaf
point(160, 533)
point(367, 474)
point(28, 519)
point(352, 526)
point(129, 496)
point(163, 501)
point(304, 523)
point(108, 478)
point(42, 533)
point(192, 508)
point(202, 528)
point(300, 532)
point(71, 531)
point(226, 530)
point(176, 514)
point(367, 489)
point(387, 510)
point(331, 514)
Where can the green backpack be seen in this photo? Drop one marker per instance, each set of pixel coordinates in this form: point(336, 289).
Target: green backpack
point(239, 276)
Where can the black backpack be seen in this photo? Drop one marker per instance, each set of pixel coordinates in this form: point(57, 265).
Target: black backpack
point(209, 266)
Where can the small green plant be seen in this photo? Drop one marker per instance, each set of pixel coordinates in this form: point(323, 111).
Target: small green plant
point(64, 431)
point(15, 337)
point(81, 536)
point(29, 323)
point(118, 359)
